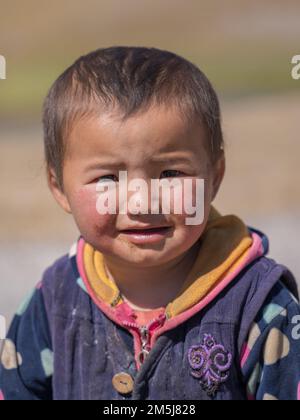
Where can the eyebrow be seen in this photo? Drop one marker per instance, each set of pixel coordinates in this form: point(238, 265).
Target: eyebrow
point(155, 159)
point(173, 159)
point(104, 165)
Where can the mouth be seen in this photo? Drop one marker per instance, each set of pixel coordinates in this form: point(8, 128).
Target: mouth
point(147, 230)
point(147, 235)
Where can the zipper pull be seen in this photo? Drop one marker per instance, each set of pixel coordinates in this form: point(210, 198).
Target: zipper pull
point(145, 344)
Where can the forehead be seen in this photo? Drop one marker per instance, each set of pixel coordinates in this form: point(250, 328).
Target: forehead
point(159, 130)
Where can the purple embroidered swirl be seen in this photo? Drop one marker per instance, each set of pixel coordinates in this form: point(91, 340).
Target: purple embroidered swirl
point(210, 362)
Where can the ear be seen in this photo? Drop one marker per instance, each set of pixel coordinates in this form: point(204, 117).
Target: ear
point(218, 174)
point(56, 191)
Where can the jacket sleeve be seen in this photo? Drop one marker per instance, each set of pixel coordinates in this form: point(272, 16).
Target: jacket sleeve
point(271, 357)
point(26, 366)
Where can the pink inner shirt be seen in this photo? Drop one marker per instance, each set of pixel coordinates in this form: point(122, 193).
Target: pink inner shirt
point(145, 317)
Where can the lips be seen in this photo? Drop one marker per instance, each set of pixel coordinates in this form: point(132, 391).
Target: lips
point(146, 231)
point(147, 235)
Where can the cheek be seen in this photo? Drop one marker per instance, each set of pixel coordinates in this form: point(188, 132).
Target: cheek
point(193, 196)
point(187, 235)
point(196, 199)
point(186, 232)
point(84, 210)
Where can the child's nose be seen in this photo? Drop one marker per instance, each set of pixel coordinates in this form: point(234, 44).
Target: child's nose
point(139, 197)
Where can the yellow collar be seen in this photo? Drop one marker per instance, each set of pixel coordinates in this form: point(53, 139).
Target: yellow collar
point(223, 246)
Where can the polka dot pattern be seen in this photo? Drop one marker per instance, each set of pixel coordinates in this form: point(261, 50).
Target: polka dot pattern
point(272, 311)
point(24, 305)
point(253, 336)
point(10, 358)
point(254, 380)
point(269, 397)
point(277, 347)
point(81, 284)
point(47, 362)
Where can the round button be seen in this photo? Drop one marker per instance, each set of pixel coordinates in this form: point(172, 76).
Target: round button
point(123, 383)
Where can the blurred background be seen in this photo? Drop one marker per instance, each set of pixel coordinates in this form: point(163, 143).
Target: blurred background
point(245, 48)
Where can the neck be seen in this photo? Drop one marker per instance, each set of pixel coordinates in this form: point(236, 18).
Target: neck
point(151, 287)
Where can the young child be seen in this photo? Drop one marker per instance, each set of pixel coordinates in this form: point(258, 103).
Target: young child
point(147, 306)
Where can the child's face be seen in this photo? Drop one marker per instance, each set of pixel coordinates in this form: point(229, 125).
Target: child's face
point(146, 146)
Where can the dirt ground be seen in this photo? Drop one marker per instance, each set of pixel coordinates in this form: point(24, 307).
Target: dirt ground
point(261, 186)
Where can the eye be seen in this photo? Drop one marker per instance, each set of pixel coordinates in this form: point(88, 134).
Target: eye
point(107, 178)
point(170, 173)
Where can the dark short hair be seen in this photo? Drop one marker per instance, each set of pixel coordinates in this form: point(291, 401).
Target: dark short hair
point(133, 78)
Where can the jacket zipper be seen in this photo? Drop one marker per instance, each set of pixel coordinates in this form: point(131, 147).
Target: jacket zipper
point(144, 335)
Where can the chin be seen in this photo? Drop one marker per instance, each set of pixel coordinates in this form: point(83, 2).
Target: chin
point(144, 258)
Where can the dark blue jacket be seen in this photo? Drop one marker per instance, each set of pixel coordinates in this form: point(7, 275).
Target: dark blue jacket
point(71, 350)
